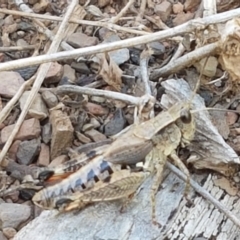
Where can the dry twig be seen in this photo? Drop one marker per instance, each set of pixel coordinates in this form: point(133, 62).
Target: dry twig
point(104, 24)
point(205, 194)
point(122, 12)
point(186, 27)
point(184, 61)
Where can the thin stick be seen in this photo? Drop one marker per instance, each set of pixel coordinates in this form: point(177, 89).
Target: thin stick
point(144, 58)
point(122, 12)
point(41, 75)
point(184, 61)
point(17, 48)
point(141, 10)
point(101, 93)
point(210, 7)
point(179, 52)
point(186, 27)
point(108, 24)
point(205, 194)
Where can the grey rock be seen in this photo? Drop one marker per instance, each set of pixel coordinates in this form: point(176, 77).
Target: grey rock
point(116, 124)
point(38, 108)
point(46, 133)
point(12, 214)
point(80, 67)
point(10, 83)
point(50, 99)
point(27, 72)
point(157, 48)
point(119, 56)
point(27, 151)
point(69, 72)
point(80, 40)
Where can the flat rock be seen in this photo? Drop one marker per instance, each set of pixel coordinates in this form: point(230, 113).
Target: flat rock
point(157, 48)
point(81, 67)
point(49, 98)
point(38, 108)
point(116, 124)
point(12, 152)
point(119, 56)
point(10, 83)
point(30, 129)
point(163, 10)
point(44, 156)
point(210, 68)
point(81, 40)
point(58, 160)
point(27, 151)
point(54, 74)
point(96, 109)
point(13, 214)
point(46, 133)
point(95, 135)
point(69, 72)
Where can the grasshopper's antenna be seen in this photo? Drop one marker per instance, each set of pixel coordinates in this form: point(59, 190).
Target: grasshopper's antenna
point(198, 81)
point(215, 109)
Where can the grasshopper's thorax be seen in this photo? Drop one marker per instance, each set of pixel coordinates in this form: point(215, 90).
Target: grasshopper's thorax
point(85, 178)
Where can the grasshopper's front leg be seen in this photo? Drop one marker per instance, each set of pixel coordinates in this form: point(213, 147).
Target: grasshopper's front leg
point(119, 185)
point(166, 143)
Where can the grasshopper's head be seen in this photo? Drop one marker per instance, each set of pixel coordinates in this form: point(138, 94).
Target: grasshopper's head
point(186, 125)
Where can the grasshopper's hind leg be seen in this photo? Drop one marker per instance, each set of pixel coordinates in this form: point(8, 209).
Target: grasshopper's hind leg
point(121, 184)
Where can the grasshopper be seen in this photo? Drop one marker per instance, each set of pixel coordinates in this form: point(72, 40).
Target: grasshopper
point(107, 172)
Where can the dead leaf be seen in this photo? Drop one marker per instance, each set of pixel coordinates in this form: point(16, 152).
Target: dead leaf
point(230, 55)
point(109, 71)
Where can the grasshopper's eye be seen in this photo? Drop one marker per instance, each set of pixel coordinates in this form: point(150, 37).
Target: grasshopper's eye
point(185, 116)
point(45, 175)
